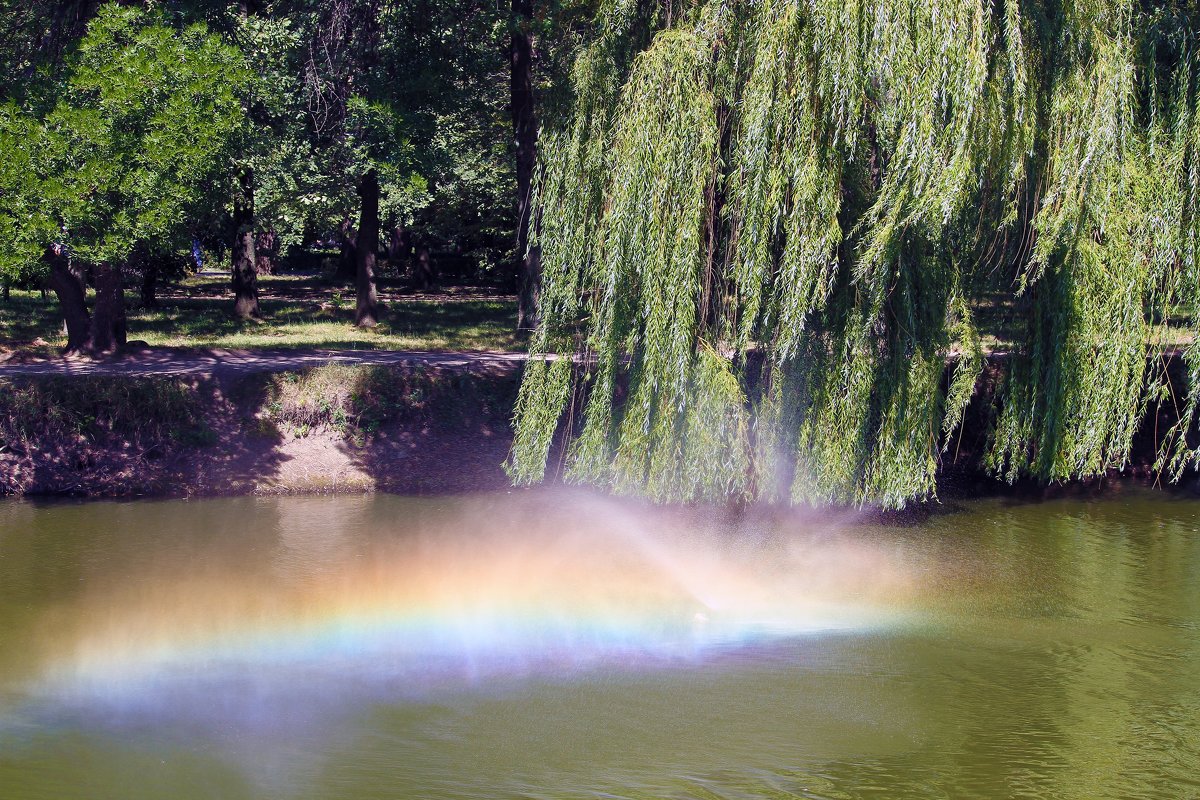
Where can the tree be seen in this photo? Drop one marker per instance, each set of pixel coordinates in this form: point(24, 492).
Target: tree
point(131, 144)
point(524, 119)
point(244, 263)
point(440, 68)
point(321, 117)
point(413, 89)
point(34, 36)
point(775, 222)
point(366, 312)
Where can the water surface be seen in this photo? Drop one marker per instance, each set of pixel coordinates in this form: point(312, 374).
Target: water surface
point(556, 644)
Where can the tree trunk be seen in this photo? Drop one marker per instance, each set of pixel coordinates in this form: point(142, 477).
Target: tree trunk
point(347, 268)
point(68, 286)
point(108, 317)
point(7, 291)
point(423, 276)
point(149, 284)
point(266, 251)
point(397, 248)
point(366, 312)
point(529, 271)
point(245, 274)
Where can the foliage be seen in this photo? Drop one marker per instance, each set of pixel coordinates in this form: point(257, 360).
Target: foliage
point(413, 89)
point(131, 146)
point(824, 192)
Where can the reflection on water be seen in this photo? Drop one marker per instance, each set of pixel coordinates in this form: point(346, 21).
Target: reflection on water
point(566, 645)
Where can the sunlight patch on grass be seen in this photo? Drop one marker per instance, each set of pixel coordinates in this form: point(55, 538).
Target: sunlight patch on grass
point(473, 325)
point(204, 322)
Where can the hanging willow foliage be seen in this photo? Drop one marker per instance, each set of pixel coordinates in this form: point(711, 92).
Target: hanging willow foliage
point(769, 226)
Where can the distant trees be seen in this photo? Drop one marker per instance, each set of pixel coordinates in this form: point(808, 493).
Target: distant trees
point(414, 90)
point(289, 121)
point(124, 152)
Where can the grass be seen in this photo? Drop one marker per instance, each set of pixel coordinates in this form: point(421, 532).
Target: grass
point(409, 325)
point(75, 407)
point(304, 311)
point(356, 400)
point(298, 312)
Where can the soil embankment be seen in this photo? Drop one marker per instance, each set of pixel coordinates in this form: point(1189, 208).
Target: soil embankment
point(181, 423)
point(390, 424)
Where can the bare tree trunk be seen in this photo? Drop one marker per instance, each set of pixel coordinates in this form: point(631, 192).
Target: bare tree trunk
point(68, 285)
point(7, 291)
point(266, 251)
point(397, 247)
point(108, 317)
point(524, 117)
point(366, 313)
point(347, 267)
point(245, 274)
point(424, 276)
point(149, 284)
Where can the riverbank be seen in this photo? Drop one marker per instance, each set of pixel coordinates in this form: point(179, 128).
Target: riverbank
point(410, 423)
point(402, 427)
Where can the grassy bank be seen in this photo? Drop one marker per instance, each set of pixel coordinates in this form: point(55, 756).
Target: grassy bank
point(336, 428)
point(333, 428)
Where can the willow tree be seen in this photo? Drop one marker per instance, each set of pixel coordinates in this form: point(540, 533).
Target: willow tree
point(769, 226)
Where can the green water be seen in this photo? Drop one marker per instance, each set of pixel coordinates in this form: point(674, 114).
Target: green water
point(544, 646)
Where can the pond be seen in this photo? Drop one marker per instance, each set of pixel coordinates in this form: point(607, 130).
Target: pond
point(561, 644)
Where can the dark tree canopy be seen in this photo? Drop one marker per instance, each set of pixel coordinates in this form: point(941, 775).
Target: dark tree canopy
point(416, 90)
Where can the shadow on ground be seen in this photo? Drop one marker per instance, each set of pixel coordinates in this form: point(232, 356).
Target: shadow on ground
point(414, 429)
point(447, 431)
point(296, 312)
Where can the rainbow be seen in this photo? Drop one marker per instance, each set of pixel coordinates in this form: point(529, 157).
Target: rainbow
point(469, 605)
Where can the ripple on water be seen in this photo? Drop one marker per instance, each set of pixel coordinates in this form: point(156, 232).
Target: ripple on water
point(566, 645)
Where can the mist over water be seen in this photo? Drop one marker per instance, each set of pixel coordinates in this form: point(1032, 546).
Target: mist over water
point(562, 643)
point(491, 588)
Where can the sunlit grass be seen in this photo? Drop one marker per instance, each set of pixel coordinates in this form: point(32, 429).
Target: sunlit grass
point(410, 324)
point(324, 320)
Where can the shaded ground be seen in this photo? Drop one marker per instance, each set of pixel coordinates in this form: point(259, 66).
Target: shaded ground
point(299, 311)
point(215, 361)
point(412, 428)
point(307, 312)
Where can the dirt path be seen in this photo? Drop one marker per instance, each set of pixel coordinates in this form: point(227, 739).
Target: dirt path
point(170, 361)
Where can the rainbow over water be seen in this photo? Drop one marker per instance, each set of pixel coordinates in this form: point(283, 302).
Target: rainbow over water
point(572, 584)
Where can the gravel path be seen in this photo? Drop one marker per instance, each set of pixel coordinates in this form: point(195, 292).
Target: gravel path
point(231, 362)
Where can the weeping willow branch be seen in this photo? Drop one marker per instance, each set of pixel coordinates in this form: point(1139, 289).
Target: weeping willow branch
point(769, 226)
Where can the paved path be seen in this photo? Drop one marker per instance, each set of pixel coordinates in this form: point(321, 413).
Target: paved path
point(229, 362)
